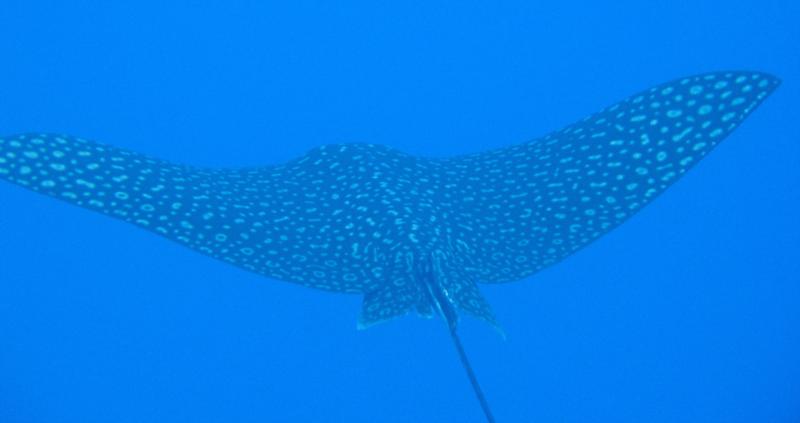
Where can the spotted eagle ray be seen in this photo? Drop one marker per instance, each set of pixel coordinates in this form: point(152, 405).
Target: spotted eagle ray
point(409, 233)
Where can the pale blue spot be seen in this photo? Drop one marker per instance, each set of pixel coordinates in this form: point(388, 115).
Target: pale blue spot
point(674, 113)
point(679, 136)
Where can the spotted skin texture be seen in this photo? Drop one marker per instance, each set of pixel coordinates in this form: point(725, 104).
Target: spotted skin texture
point(520, 209)
point(362, 218)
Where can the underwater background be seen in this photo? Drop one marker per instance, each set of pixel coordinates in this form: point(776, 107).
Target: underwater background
point(687, 312)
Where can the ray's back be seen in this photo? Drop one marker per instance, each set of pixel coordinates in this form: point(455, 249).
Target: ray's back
point(355, 217)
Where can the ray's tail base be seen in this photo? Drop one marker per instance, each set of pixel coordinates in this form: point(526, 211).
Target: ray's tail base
point(429, 273)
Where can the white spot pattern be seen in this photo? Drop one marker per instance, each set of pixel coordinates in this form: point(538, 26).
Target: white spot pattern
point(541, 201)
point(362, 218)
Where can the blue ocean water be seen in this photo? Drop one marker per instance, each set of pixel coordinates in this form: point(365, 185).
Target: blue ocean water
point(687, 312)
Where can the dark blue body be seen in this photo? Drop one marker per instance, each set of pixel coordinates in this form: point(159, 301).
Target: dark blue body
point(687, 312)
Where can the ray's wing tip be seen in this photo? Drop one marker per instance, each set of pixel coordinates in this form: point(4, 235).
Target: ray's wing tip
point(739, 75)
point(765, 84)
point(773, 81)
point(768, 75)
point(774, 78)
point(754, 73)
point(754, 86)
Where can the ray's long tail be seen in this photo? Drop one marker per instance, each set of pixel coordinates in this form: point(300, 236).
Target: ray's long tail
point(471, 374)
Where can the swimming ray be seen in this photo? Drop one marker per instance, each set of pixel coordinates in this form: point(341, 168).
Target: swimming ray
point(409, 233)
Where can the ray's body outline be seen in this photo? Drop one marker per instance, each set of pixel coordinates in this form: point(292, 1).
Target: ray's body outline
point(409, 233)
